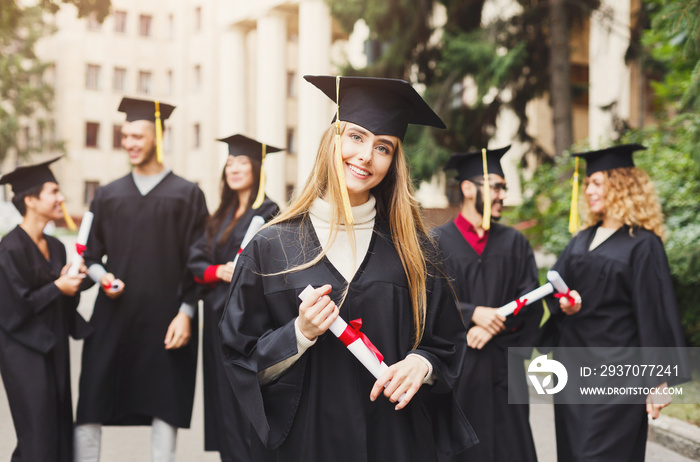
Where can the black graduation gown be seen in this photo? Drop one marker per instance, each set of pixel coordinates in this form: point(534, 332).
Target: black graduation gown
point(628, 301)
point(319, 409)
point(503, 272)
point(226, 429)
point(128, 377)
point(35, 321)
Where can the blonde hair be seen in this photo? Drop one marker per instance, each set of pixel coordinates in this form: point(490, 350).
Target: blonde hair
point(396, 205)
point(630, 197)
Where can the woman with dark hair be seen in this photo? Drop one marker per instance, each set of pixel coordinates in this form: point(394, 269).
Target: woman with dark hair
point(211, 262)
point(37, 313)
point(623, 297)
point(355, 234)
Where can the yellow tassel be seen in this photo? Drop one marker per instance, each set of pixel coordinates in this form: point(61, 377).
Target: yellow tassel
point(66, 216)
point(574, 223)
point(261, 188)
point(486, 221)
point(338, 160)
point(159, 135)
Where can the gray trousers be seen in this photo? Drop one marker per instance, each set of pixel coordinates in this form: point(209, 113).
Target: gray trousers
point(87, 439)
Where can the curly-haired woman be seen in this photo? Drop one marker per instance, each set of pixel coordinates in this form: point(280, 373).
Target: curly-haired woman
point(623, 298)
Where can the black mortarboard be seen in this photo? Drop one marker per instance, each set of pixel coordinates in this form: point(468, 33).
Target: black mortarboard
point(26, 177)
point(471, 164)
point(382, 106)
point(139, 109)
point(239, 145)
point(609, 158)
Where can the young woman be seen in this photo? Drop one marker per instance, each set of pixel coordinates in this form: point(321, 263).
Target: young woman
point(623, 298)
point(37, 313)
point(211, 262)
point(355, 234)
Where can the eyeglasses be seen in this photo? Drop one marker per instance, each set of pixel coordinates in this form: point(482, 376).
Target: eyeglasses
point(498, 187)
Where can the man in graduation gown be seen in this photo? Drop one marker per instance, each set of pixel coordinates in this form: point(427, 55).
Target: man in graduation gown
point(139, 367)
point(37, 313)
point(490, 265)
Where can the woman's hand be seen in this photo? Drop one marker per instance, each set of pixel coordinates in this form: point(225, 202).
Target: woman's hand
point(489, 319)
point(478, 337)
point(225, 272)
point(402, 380)
point(566, 307)
point(107, 282)
point(317, 313)
point(69, 285)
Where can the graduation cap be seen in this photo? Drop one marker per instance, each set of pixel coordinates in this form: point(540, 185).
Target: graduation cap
point(26, 177)
point(479, 163)
point(239, 145)
point(471, 164)
point(382, 106)
point(609, 158)
point(152, 111)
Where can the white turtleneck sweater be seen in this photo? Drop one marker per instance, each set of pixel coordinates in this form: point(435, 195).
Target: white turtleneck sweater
point(340, 255)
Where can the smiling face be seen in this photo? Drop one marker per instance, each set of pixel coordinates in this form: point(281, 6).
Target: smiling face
point(366, 159)
point(48, 203)
point(595, 192)
point(139, 141)
point(239, 173)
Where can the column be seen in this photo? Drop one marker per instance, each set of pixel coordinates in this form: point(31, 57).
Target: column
point(315, 110)
point(232, 91)
point(608, 74)
point(271, 98)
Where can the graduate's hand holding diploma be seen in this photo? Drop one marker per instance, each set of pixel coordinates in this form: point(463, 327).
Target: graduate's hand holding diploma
point(225, 272)
point(566, 306)
point(69, 284)
point(489, 319)
point(179, 332)
point(401, 381)
point(112, 286)
point(317, 312)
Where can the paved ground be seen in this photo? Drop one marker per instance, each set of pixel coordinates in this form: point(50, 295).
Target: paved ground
point(133, 443)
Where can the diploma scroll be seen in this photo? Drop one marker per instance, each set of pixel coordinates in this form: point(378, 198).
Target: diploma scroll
point(357, 347)
point(80, 244)
point(556, 283)
point(255, 224)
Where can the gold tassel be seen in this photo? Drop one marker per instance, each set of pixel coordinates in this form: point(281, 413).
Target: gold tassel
point(261, 187)
point(574, 223)
point(66, 216)
point(159, 135)
point(338, 160)
point(486, 221)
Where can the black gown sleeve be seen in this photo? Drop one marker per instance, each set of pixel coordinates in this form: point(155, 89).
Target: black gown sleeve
point(198, 216)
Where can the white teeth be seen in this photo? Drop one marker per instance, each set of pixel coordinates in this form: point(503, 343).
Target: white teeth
point(357, 170)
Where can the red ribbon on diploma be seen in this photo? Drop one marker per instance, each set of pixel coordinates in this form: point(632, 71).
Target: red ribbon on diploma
point(568, 296)
point(519, 305)
point(352, 333)
point(80, 248)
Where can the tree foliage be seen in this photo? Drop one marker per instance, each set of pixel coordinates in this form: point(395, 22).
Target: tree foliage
point(507, 61)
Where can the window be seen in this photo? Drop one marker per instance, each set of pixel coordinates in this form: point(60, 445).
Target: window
point(198, 19)
point(93, 23)
point(197, 78)
point(89, 191)
point(92, 131)
point(169, 82)
point(291, 84)
point(120, 22)
point(92, 77)
point(145, 25)
point(144, 84)
point(197, 135)
point(119, 80)
point(116, 136)
point(291, 141)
